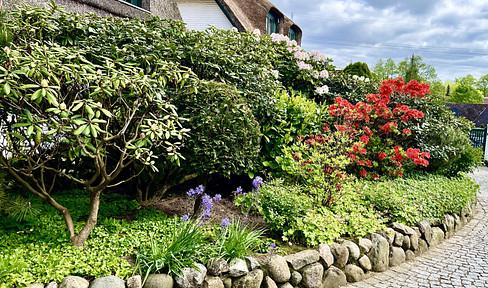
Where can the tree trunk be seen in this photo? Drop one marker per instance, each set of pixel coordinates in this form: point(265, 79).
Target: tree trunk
point(80, 238)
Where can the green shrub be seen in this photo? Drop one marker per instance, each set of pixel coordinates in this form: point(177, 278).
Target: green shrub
point(428, 196)
point(290, 212)
point(296, 116)
point(358, 69)
point(225, 137)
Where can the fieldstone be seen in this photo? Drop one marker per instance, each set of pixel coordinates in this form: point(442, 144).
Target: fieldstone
point(406, 242)
point(53, 284)
point(302, 258)
point(238, 268)
point(36, 285)
point(365, 263)
point(252, 263)
point(398, 239)
point(286, 285)
point(269, 283)
point(417, 231)
point(426, 231)
point(389, 235)
point(353, 273)
point(252, 279)
point(74, 282)
point(341, 254)
point(277, 269)
point(379, 253)
point(397, 256)
point(159, 281)
point(227, 281)
point(312, 275)
point(457, 222)
point(217, 266)
point(134, 282)
point(212, 282)
point(353, 249)
point(414, 242)
point(192, 277)
point(364, 245)
point(423, 247)
point(295, 278)
point(402, 228)
point(409, 255)
point(326, 257)
point(437, 236)
point(334, 278)
point(448, 226)
point(108, 282)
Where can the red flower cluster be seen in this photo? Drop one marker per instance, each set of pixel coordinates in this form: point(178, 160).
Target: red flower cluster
point(374, 126)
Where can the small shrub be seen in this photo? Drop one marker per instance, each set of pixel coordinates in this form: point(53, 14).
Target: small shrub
point(412, 200)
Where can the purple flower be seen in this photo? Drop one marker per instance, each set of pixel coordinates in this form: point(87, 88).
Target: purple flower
point(225, 222)
point(206, 213)
point(239, 190)
point(200, 189)
point(185, 217)
point(272, 246)
point(207, 202)
point(190, 193)
point(257, 182)
point(217, 197)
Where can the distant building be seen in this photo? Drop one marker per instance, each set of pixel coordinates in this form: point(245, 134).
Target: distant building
point(476, 113)
point(198, 14)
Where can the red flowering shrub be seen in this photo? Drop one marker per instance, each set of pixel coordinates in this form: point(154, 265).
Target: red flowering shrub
point(373, 126)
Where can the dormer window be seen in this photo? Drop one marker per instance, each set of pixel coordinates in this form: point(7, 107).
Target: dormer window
point(137, 3)
point(271, 23)
point(292, 34)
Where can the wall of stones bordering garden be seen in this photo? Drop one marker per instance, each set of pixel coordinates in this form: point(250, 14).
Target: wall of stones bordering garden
point(327, 266)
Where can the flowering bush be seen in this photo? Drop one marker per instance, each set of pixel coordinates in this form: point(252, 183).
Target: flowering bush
point(375, 126)
point(319, 163)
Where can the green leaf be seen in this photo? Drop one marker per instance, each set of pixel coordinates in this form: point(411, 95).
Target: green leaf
point(36, 95)
point(77, 107)
point(30, 130)
point(79, 130)
point(90, 112)
point(106, 112)
point(6, 88)
point(28, 115)
point(29, 86)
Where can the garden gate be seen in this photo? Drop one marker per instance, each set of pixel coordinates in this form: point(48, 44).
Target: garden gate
point(478, 138)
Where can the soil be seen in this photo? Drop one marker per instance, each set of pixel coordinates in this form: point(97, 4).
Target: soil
point(177, 203)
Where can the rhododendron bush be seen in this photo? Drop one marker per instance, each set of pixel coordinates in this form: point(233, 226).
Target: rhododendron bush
point(376, 128)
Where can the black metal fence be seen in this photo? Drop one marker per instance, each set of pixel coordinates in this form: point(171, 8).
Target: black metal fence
point(478, 138)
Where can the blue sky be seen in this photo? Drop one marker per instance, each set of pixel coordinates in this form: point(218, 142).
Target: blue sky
point(451, 35)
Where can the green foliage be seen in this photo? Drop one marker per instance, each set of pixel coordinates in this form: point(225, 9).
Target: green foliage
point(236, 241)
point(358, 69)
point(466, 94)
point(350, 87)
point(185, 246)
point(224, 131)
point(290, 212)
point(422, 197)
point(296, 116)
point(319, 164)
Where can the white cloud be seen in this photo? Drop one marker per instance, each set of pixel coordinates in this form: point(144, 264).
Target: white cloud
point(451, 35)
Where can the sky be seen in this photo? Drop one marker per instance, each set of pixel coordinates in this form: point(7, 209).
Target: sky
point(451, 35)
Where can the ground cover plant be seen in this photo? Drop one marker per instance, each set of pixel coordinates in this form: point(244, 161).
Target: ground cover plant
point(125, 126)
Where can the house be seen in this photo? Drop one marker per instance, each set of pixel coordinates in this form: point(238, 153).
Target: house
point(198, 14)
point(476, 113)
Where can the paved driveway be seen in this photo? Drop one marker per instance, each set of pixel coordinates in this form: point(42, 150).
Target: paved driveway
point(461, 261)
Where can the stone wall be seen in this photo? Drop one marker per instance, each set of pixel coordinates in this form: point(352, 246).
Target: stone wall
point(166, 9)
point(324, 267)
